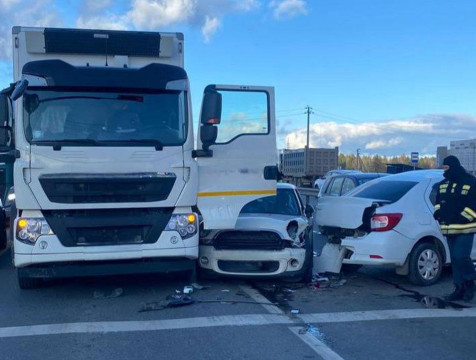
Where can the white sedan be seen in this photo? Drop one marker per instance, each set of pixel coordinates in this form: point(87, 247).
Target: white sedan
point(389, 221)
point(272, 237)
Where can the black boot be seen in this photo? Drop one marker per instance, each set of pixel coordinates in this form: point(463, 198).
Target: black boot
point(469, 289)
point(457, 294)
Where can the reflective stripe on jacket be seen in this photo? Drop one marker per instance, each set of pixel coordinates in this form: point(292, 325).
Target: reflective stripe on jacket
point(455, 207)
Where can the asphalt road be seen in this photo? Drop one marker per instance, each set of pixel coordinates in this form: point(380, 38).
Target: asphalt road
point(375, 314)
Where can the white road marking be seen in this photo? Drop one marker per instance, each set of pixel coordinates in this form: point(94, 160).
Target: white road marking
point(228, 320)
point(317, 345)
point(256, 296)
point(151, 325)
point(373, 315)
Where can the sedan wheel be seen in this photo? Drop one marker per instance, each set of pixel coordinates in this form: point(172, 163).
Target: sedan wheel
point(426, 264)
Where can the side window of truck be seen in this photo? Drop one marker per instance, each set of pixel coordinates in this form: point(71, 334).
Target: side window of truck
point(243, 113)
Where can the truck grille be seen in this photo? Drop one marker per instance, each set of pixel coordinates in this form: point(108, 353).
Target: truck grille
point(107, 188)
point(248, 240)
point(100, 227)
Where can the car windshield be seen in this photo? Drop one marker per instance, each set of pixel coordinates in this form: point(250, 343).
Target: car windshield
point(284, 203)
point(104, 118)
point(390, 191)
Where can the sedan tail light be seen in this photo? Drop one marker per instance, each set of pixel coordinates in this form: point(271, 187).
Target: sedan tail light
point(385, 222)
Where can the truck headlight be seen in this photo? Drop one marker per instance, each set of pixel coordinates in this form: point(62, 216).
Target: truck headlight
point(29, 229)
point(184, 224)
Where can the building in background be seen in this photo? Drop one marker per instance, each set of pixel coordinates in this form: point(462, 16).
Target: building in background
point(464, 150)
point(303, 167)
point(441, 153)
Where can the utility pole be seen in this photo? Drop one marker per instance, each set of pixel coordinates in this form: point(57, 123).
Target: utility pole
point(308, 112)
point(359, 167)
point(306, 153)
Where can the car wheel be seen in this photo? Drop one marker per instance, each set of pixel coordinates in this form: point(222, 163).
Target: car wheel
point(26, 282)
point(425, 264)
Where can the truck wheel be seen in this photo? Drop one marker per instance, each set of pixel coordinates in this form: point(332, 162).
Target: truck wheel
point(26, 282)
point(425, 264)
point(3, 233)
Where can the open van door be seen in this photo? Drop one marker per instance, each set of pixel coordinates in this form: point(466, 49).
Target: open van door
point(237, 156)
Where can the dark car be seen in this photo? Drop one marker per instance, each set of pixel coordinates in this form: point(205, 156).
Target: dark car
point(341, 184)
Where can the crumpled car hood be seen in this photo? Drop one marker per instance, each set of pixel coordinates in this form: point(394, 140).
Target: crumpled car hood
point(271, 222)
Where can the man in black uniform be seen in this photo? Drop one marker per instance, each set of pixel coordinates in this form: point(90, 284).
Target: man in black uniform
point(455, 210)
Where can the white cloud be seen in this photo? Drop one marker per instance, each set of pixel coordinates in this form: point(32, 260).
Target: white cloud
point(6, 4)
point(422, 133)
point(109, 21)
point(151, 14)
point(210, 27)
point(382, 144)
point(94, 6)
point(285, 9)
point(27, 13)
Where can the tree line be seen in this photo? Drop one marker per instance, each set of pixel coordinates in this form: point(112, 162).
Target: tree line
point(378, 163)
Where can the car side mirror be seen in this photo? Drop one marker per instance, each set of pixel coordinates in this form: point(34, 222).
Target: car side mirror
point(309, 210)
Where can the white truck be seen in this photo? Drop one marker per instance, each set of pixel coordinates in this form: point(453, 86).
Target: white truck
point(98, 127)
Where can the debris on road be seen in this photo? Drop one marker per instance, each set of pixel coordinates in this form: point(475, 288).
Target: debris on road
point(295, 311)
point(188, 289)
point(199, 287)
point(103, 295)
point(172, 301)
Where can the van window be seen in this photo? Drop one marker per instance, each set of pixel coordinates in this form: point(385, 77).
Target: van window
point(391, 191)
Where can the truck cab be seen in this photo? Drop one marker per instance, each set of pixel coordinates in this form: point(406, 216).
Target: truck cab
point(107, 179)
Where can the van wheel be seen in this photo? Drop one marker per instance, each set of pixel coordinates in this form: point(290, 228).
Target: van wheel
point(426, 264)
point(26, 282)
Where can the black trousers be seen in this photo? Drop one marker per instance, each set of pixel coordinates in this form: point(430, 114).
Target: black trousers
point(460, 251)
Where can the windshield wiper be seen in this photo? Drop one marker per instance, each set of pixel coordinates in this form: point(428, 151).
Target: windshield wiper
point(57, 144)
point(151, 142)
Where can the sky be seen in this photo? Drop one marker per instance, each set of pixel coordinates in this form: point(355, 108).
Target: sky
point(387, 77)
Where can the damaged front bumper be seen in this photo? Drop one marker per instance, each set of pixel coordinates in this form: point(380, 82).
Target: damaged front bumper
point(253, 263)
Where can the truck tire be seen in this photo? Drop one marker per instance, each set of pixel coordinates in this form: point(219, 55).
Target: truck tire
point(3, 232)
point(425, 264)
point(26, 282)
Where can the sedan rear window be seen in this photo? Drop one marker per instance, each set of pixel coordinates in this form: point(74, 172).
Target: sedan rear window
point(391, 191)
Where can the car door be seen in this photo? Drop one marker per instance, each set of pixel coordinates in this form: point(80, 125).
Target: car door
point(237, 163)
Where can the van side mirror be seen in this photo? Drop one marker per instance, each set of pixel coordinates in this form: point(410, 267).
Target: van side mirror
point(211, 108)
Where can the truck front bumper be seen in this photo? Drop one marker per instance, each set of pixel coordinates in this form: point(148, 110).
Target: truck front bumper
point(104, 268)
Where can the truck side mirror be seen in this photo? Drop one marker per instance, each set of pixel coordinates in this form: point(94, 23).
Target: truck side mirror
point(211, 108)
point(19, 89)
point(208, 135)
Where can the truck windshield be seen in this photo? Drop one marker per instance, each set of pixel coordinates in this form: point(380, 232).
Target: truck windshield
point(104, 118)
